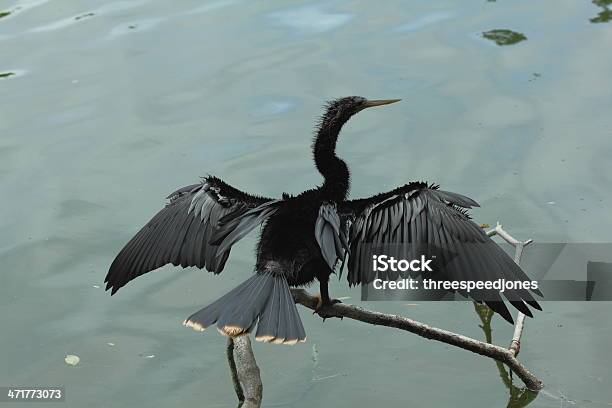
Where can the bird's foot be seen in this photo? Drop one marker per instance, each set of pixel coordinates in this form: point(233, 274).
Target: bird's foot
point(323, 306)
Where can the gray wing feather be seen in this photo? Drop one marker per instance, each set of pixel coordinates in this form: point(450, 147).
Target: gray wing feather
point(330, 235)
point(228, 234)
point(181, 232)
point(419, 217)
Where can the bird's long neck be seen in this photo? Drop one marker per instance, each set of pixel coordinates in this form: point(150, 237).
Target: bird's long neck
point(335, 172)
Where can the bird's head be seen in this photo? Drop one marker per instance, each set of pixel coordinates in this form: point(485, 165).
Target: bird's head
point(340, 110)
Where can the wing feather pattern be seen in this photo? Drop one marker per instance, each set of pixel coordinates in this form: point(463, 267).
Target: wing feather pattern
point(182, 232)
point(419, 218)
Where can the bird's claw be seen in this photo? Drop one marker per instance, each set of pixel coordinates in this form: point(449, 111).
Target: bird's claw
point(320, 310)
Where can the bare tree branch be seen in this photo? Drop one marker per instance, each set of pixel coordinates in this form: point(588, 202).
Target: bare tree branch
point(245, 372)
point(403, 323)
point(246, 376)
point(515, 344)
point(233, 371)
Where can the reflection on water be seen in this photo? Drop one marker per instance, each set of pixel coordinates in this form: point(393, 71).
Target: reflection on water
point(606, 14)
point(313, 19)
point(424, 21)
point(111, 8)
point(504, 37)
point(4, 13)
point(520, 396)
point(6, 74)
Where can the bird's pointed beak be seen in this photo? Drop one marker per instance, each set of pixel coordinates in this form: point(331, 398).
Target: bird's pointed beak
point(379, 102)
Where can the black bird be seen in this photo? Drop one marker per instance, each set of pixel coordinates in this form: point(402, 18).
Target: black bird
point(304, 237)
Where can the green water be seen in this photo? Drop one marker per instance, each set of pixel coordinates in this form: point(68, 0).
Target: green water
point(106, 107)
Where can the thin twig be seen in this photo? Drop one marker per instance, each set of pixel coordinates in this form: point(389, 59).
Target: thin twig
point(515, 344)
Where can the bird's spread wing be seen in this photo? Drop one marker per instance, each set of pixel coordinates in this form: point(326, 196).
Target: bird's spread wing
point(181, 233)
point(421, 219)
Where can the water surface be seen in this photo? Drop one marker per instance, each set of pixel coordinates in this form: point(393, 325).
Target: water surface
point(109, 106)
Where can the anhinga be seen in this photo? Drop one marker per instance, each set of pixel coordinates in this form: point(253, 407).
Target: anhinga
point(305, 236)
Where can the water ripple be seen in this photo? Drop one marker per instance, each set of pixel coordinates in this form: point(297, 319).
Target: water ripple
point(311, 19)
point(424, 21)
point(108, 8)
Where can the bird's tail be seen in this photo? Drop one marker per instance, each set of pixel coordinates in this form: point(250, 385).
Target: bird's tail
point(265, 300)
